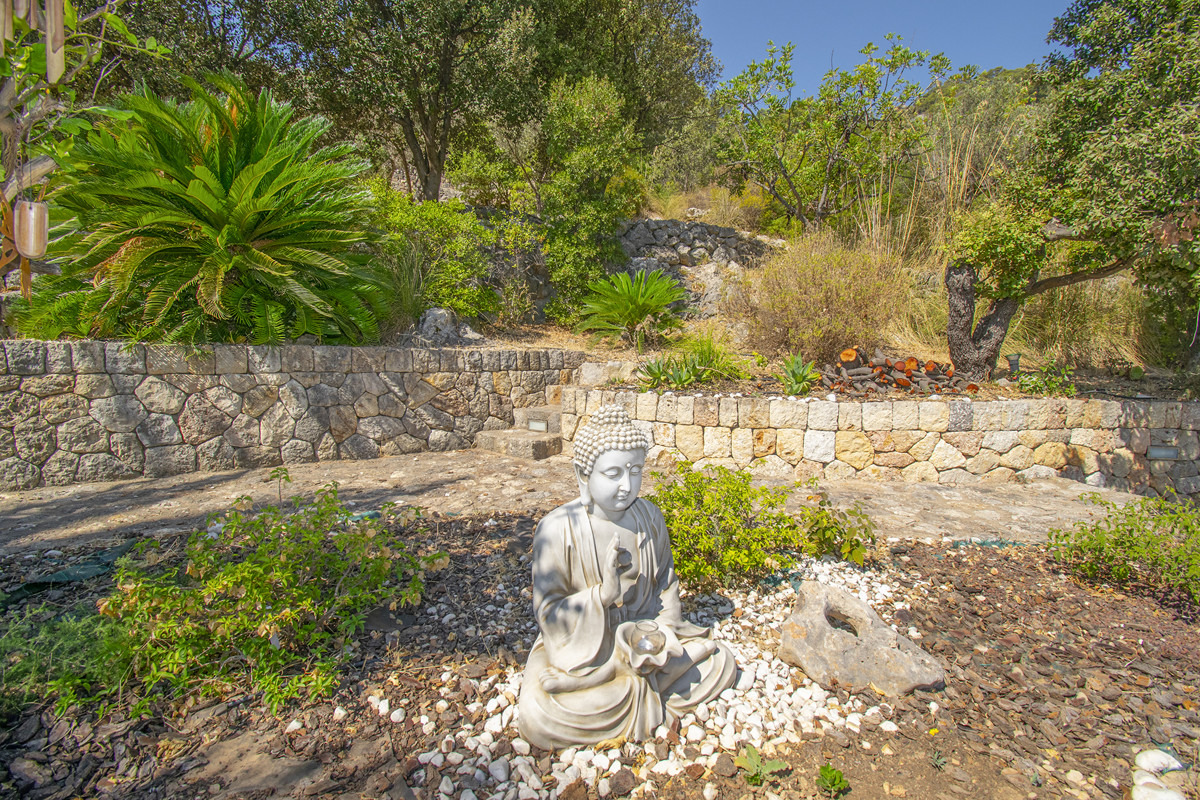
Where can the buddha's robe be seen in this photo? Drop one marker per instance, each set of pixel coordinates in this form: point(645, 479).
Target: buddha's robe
point(585, 640)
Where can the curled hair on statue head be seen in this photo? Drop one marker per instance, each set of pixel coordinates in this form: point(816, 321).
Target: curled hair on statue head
point(610, 428)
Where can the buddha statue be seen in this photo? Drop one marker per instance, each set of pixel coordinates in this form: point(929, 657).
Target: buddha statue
point(615, 658)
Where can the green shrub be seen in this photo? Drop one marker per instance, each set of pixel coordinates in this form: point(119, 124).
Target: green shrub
point(755, 769)
point(68, 657)
point(1152, 543)
point(671, 372)
point(799, 377)
point(727, 532)
point(636, 310)
point(218, 219)
point(710, 351)
point(831, 782)
point(270, 601)
point(451, 246)
point(1049, 380)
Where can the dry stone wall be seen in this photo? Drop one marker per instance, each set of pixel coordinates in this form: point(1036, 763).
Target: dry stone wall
point(1146, 447)
point(88, 411)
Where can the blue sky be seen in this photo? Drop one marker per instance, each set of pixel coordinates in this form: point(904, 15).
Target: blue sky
point(1008, 33)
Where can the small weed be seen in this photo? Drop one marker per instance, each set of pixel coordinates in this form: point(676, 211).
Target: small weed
point(1050, 380)
point(937, 760)
point(845, 533)
point(799, 377)
point(832, 783)
point(757, 771)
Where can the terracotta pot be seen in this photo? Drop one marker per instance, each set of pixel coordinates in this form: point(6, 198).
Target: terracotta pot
point(31, 227)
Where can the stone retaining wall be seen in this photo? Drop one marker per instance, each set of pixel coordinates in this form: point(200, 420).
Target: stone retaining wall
point(87, 411)
point(1145, 447)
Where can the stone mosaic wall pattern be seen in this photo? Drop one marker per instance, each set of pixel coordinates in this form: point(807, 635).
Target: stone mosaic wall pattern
point(1146, 447)
point(90, 411)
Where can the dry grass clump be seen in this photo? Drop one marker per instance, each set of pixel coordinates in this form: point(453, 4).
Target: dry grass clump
point(820, 296)
point(718, 206)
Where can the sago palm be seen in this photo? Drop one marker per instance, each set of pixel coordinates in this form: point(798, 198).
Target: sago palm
point(217, 219)
point(637, 309)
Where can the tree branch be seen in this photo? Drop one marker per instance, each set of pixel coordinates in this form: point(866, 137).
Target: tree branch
point(31, 172)
point(1072, 278)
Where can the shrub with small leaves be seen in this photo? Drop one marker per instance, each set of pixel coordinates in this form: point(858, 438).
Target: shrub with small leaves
point(268, 599)
point(831, 782)
point(756, 769)
point(1050, 380)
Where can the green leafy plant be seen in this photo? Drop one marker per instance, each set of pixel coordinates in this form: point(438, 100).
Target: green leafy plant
point(637, 310)
point(799, 376)
point(1051, 379)
point(709, 350)
point(1152, 543)
point(217, 219)
point(270, 600)
point(831, 782)
point(937, 760)
point(842, 532)
point(756, 769)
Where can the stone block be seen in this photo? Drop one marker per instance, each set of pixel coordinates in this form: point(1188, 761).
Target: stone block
point(374, 359)
point(985, 461)
point(893, 460)
point(62, 407)
point(934, 416)
point(124, 359)
point(1016, 415)
point(331, 358)
point(398, 359)
point(264, 359)
point(102, 467)
point(296, 358)
point(1019, 458)
point(60, 468)
point(689, 440)
point(199, 421)
point(788, 413)
point(808, 470)
point(989, 415)
point(946, 456)
point(47, 385)
point(906, 415)
point(823, 416)
point(850, 417)
point(87, 357)
point(1085, 458)
point(998, 475)
point(646, 407)
point(58, 359)
point(162, 462)
point(1135, 414)
point(763, 442)
point(159, 430)
point(754, 412)
point(877, 472)
point(956, 477)
point(1136, 439)
point(25, 356)
point(968, 443)
point(1190, 416)
point(742, 446)
point(120, 413)
point(727, 412)
point(1000, 441)
point(961, 415)
point(175, 359)
point(789, 445)
point(854, 448)
point(717, 442)
point(877, 416)
point(683, 409)
point(1051, 454)
point(819, 445)
point(160, 397)
point(902, 441)
point(839, 471)
point(920, 472)
point(923, 449)
point(770, 467)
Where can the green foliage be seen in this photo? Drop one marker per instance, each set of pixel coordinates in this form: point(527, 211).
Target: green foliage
point(218, 219)
point(270, 600)
point(831, 782)
point(1007, 246)
point(68, 657)
point(799, 376)
point(704, 358)
point(672, 372)
point(845, 533)
point(724, 530)
point(1152, 543)
point(756, 770)
point(637, 310)
point(937, 760)
point(1051, 380)
point(441, 249)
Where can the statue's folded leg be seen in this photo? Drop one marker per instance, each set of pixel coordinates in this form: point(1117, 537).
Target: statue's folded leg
point(624, 706)
point(701, 680)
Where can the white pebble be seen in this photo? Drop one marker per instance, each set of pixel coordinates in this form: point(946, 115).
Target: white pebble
point(293, 726)
point(384, 707)
point(339, 714)
point(1154, 793)
point(1157, 761)
point(398, 715)
point(446, 786)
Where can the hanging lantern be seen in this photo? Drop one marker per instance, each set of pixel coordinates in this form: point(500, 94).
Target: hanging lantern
point(31, 227)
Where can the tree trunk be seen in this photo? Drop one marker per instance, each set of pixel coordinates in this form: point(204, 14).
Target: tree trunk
point(974, 348)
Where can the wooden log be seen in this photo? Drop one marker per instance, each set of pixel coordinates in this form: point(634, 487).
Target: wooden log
point(903, 381)
point(911, 363)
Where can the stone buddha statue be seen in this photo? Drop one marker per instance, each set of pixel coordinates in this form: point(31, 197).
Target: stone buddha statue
point(615, 657)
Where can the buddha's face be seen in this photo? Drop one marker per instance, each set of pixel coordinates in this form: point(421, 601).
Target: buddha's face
point(615, 480)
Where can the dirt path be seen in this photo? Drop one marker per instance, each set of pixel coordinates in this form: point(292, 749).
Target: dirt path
point(470, 482)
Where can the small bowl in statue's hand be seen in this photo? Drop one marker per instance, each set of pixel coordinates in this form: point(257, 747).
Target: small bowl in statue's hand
point(648, 639)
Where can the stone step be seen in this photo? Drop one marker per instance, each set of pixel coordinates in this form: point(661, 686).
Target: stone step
point(520, 443)
point(540, 419)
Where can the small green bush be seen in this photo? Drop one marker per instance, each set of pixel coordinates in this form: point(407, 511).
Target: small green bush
point(1152, 543)
point(636, 310)
point(704, 358)
point(270, 601)
point(727, 532)
point(1049, 380)
point(756, 770)
point(831, 782)
point(799, 377)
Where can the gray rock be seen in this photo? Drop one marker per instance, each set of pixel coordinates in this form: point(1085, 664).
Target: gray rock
point(380, 428)
point(327, 448)
point(200, 420)
point(239, 383)
point(17, 406)
point(16, 473)
point(159, 396)
point(243, 432)
point(82, 435)
point(331, 358)
point(25, 356)
point(439, 327)
point(415, 426)
point(256, 457)
point(390, 406)
point(297, 358)
point(215, 455)
point(312, 425)
point(34, 441)
point(165, 359)
point(297, 451)
point(322, 395)
point(874, 655)
point(264, 359)
point(60, 469)
point(401, 445)
point(343, 422)
point(175, 459)
point(358, 447)
point(230, 359)
point(120, 413)
point(446, 440)
point(101, 467)
point(259, 399)
point(126, 383)
point(225, 399)
point(159, 430)
point(8, 448)
point(294, 399)
point(276, 426)
point(124, 359)
point(87, 357)
point(128, 449)
point(9, 383)
point(48, 385)
point(94, 386)
point(367, 405)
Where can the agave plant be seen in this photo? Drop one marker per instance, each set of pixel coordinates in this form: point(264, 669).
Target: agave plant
point(636, 309)
point(216, 219)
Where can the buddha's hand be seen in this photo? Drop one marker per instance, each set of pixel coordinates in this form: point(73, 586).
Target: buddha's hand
point(610, 575)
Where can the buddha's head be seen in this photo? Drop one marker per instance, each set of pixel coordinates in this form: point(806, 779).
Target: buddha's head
point(609, 456)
